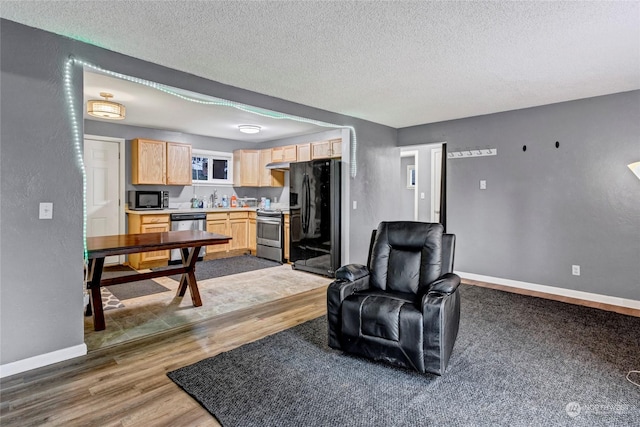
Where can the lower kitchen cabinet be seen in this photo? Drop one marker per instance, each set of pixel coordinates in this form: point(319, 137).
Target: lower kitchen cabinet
point(252, 233)
point(152, 223)
point(239, 230)
point(235, 224)
point(218, 222)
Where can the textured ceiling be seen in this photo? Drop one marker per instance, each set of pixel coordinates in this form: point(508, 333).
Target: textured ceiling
point(395, 63)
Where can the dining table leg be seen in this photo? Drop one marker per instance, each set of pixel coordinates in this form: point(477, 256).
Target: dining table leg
point(96, 296)
point(189, 258)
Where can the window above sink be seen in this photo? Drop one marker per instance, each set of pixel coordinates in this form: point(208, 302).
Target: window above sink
point(211, 167)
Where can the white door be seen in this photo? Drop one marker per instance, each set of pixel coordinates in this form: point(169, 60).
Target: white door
point(436, 182)
point(101, 161)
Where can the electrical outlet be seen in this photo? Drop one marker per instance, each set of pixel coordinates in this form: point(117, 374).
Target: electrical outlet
point(483, 184)
point(575, 270)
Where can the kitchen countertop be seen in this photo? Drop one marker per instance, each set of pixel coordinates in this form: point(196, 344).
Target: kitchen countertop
point(191, 210)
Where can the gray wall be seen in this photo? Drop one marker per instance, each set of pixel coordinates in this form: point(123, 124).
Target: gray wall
point(547, 208)
point(41, 263)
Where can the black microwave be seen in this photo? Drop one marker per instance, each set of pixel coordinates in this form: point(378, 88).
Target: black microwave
point(148, 200)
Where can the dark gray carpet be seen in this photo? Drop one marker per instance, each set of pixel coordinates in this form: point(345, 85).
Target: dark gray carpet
point(518, 361)
point(228, 266)
point(126, 291)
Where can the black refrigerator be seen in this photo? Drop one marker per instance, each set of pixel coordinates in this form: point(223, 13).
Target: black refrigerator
point(314, 216)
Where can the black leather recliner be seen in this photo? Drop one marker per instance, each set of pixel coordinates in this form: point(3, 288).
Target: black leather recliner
point(404, 307)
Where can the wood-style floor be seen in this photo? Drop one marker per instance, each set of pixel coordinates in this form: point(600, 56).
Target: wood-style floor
point(126, 385)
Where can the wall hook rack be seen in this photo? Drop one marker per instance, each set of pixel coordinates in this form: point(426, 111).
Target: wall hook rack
point(476, 152)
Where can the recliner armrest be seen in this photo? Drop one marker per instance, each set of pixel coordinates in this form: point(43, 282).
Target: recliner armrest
point(352, 272)
point(445, 285)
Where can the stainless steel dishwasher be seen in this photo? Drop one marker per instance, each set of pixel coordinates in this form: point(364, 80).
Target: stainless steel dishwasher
point(187, 221)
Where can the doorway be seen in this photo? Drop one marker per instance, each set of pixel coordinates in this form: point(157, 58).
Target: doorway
point(410, 185)
point(421, 176)
point(104, 168)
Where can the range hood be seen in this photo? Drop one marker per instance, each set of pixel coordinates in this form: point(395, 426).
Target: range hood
point(278, 166)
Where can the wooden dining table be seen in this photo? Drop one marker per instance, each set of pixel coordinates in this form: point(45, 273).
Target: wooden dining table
point(189, 242)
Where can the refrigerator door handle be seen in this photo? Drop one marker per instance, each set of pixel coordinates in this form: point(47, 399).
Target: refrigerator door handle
point(307, 204)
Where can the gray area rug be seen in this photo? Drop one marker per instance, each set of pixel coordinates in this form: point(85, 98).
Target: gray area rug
point(518, 361)
point(228, 266)
point(125, 291)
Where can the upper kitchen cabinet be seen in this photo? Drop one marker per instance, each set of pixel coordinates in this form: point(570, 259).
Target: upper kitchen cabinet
point(246, 168)
point(160, 162)
point(304, 152)
point(326, 149)
point(178, 164)
point(269, 177)
point(286, 153)
point(148, 161)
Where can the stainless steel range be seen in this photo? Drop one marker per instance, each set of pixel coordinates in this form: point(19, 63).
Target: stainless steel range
point(270, 234)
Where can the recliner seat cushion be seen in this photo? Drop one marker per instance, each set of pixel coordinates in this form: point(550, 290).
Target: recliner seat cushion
point(383, 326)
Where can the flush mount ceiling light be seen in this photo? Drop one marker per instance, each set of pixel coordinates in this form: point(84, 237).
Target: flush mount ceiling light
point(249, 128)
point(105, 109)
point(635, 168)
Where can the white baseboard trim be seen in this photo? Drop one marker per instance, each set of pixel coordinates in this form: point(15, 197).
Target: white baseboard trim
point(620, 302)
point(41, 360)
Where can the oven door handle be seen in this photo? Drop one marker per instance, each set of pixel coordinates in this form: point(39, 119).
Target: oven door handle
point(262, 221)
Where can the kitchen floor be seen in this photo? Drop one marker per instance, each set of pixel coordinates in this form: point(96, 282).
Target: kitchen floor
point(153, 314)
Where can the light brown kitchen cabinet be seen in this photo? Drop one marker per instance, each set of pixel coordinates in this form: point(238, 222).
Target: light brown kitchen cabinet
point(326, 149)
point(269, 177)
point(303, 152)
point(178, 164)
point(218, 222)
point(148, 161)
point(150, 223)
point(287, 153)
point(286, 236)
point(336, 147)
point(160, 162)
point(239, 230)
point(253, 244)
point(246, 168)
point(277, 154)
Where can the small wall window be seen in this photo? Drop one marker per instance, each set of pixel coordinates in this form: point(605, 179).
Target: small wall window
point(411, 176)
point(211, 167)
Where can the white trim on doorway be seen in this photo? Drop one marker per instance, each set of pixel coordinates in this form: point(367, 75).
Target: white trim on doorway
point(435, 183)
point(345, 197)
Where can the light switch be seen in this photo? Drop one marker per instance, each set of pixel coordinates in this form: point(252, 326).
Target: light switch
point(422, 195)
point(483, 184)
point(355, 205)
point(46, 210)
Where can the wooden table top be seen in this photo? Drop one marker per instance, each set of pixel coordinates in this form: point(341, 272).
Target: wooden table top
point(121, 244)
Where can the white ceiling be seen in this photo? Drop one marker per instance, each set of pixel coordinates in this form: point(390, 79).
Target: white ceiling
point(152, 108)
point(396, 63)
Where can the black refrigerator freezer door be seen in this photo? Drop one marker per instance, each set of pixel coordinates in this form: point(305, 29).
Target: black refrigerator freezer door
point(315, 216)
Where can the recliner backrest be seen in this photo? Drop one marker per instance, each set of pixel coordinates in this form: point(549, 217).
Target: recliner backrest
point(406, 256)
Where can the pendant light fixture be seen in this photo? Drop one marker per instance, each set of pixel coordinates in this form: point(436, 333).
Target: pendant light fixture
point(105, 109)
